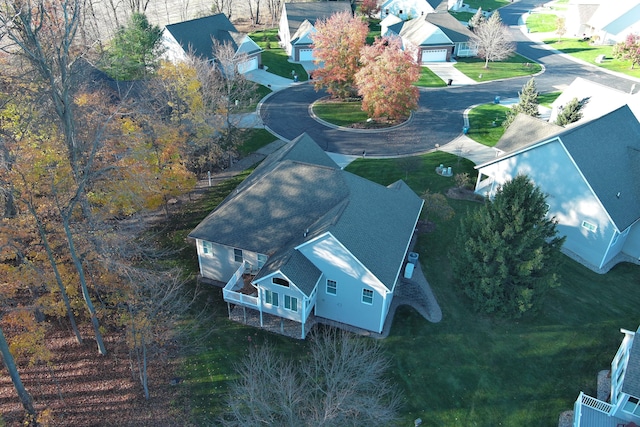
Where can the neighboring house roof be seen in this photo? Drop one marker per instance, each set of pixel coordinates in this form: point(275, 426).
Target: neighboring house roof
point(303, 34)
point(606, 151)
point(601, 99)
point(616, 16)
point(297, 13)
point(525, 130)
point(631, 384)
point(198, 34)
point(449, 25)
point(421, 33)
point(298, 194)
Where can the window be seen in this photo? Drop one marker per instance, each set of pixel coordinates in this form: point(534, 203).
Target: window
point(271, 297)
point(280, 281)
point(262, 260)
point(632, 406)
point(291, 303)
point(207, 248)
point(591, 227)
point(237, 255)
point(332, 287)
point(367, 296)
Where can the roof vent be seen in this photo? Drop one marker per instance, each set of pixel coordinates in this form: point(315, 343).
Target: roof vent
point(618, 195)
point(306, 232)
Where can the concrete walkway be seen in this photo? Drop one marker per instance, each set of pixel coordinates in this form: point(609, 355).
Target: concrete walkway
point(447, 71)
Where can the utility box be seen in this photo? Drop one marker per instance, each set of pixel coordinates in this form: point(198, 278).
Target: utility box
point(408, 271)
point(412, 257)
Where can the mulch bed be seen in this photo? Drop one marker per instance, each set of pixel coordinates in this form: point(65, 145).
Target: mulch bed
point(464, 194)
point(82, 388)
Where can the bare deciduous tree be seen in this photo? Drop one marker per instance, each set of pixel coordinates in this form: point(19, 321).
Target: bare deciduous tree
point(223, 6)
point(340, 383)
point(492, 40)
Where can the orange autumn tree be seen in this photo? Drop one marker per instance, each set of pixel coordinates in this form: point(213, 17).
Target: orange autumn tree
point(386, 79)
point(336, 46)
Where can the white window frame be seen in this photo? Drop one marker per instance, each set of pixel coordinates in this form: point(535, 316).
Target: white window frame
point(632, 407)
point(237, 253)
point(288, 300)
point(589, 226)
point(207, 248)
point(334, 287)
point(271, 298)
point(262, 260)
point(367, 296)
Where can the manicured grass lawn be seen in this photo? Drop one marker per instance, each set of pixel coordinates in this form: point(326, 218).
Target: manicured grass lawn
point(462, 16)
point(374, 30)
point(340, 113)
point(466, 370)
point(429, 79)
point(275, 59)
point(513, 67)
point(485, 123)
point(546, 99)
point(541, 22)
point(254, 139)
point(486, 5)
point(587, 52)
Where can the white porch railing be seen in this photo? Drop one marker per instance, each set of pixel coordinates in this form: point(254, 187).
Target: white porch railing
point(230, 294)
point(593, 403)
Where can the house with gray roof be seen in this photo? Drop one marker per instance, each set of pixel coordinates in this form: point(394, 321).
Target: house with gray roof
point(297, 25)
point(197, 36)
point(300, 237)
point(621, 408)
point(591, 175)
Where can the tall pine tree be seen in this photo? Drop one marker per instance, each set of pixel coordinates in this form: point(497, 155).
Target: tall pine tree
point(528, 103)
point(507, 251)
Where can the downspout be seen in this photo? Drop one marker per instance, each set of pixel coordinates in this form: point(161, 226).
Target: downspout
point(608, 248)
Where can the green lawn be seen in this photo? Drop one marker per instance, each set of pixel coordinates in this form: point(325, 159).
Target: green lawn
point(486, 5)
point(429, 79)
point(546, 99)
point(254, 139)
point(466, 370)
point(542, 22)
point(374, 30)
point(513, 67)
point(340, 113)
point(587, 52)
point(462, 16)
point(485, 123)
point(275, 59)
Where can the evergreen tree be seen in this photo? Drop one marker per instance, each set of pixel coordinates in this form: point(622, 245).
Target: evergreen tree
point(571, 112)
point(135, 50)
point(507, 251)
point(477, 19)
point(528, 103)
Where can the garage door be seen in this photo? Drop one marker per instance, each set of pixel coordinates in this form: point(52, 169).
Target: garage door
point(436, 55)
point(248, 65)
point(306, 55)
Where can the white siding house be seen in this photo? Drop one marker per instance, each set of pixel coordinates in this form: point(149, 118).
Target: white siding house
point(300, 237)
point(591, 175)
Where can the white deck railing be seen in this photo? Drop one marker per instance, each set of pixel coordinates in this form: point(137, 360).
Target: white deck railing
point(230, 295)
point(594, 403)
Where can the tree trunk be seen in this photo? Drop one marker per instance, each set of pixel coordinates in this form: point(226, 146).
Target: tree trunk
point(83, 284)
point(9, 363)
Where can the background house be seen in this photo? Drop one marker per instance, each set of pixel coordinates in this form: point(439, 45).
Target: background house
point(410, 9)
point(197, 36)
point(297, 25)
point(309, 239)
point(605, 21)
point(591, 174)
point(426, 41)
point(622, 406)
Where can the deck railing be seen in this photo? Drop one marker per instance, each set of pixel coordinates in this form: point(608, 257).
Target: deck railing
point(594, 403)
point(236, 297)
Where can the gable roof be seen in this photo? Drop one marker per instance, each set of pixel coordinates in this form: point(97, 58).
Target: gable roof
point(524, 130)
point(631, 384)
point(421, 33)
point(449, 25)
point(297, 194)
point(616, 16)
point(606, 151)
point(303, 34)
point(197, 34)
point(298, 12)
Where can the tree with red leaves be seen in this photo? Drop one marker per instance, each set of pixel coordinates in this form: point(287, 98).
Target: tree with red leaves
point(369, 7)
point(386, 79)
point(628, 50)
point(336, 45)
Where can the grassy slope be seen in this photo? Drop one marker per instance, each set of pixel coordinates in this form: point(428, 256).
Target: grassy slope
point(542, 22)
point(481, 123)
point(274, 58)
point(512, 67)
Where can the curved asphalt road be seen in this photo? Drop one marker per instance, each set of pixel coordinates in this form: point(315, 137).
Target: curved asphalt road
point(439, 118)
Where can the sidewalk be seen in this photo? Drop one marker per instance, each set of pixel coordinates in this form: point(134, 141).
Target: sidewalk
point(446, 71)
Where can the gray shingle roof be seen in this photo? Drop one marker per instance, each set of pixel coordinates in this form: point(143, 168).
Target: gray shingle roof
point(271, 211)
point(526, 130)
point(196, 34)
point(631, 384)
point(421, 33)
point(449, 25)
point(297, 13)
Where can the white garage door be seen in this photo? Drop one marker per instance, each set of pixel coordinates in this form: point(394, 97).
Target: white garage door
point(248, 65)
point(306, 55)
point(436, 55)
